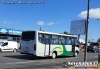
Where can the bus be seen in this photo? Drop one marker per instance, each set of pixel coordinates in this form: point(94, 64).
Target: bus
point(47, 44)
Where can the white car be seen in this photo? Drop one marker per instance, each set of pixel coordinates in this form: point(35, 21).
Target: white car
point(8, 46)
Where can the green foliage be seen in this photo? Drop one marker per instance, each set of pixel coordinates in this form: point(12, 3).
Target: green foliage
point(65, 32)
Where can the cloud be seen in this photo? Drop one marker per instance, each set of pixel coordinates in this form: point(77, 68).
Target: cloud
point(40, 23)
point(59, 22)
point(62, 20)
point(9, 22)
point(16, 22)
point(51, 23)
point(93, 13)
point(5, 22)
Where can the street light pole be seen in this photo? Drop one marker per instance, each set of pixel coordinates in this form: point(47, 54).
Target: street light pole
point(86, 38)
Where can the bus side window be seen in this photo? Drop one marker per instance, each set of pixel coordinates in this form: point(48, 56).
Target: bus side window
point(54, 39)
point(41, 38)
point(60, 40)
point(63, 40)
point(47, 39)
point(51, 40)
point(68, 41)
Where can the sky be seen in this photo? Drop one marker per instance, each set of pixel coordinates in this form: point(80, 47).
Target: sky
point(52, 16)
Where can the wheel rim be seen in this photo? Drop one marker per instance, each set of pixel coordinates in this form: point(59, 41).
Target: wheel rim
point(75, 53)
point(53, 55)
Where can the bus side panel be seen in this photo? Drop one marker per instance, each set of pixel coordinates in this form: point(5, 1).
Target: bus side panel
point(55, 48)
point(68, 47)
point(62, 50)
point(40, 48)
point(69, 50)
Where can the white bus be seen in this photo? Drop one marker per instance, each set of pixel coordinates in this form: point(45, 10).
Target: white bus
point(40, 43)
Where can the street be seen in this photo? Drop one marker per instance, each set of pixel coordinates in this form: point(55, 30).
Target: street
point(18, 61)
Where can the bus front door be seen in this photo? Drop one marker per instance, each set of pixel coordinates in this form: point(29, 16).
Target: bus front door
point(73, 44)
point(47, 45)
point(73, 48)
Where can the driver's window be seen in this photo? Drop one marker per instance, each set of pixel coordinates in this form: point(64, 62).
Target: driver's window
point(5, 44)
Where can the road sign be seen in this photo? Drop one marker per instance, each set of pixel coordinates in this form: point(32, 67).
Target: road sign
point(78, 27)
point(10, 31)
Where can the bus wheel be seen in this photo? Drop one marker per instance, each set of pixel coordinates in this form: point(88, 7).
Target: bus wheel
point(14, 50)
point(54, 55)
point(75, 55)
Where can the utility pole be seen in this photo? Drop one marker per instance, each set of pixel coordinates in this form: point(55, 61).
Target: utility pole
point(86, 38)
point(78, 37)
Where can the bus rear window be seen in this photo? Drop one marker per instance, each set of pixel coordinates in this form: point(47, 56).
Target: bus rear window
point(29, 35)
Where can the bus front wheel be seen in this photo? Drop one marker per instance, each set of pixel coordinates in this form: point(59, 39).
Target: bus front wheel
point(54, 55)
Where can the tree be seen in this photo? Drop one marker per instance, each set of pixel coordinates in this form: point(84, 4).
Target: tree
point(65, 32)
point(98, 40)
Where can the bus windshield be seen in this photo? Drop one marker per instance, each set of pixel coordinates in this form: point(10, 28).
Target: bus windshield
point(28, 35)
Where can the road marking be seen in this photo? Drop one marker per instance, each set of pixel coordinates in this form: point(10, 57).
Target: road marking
point(20, 62)
point(72, 58)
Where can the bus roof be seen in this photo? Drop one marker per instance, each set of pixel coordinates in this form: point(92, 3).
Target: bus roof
point(51, 33)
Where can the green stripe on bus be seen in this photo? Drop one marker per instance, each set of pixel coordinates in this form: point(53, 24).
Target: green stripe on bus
point(55, 48)
point(64, 52)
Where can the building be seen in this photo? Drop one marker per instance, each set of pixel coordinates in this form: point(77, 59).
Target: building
point(10, 34)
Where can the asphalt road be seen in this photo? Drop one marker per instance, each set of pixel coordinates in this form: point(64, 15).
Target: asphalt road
point(18, 61)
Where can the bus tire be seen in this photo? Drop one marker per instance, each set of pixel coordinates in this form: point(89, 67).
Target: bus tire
point(75, 55)
point(15, 50)
point(54, 55)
